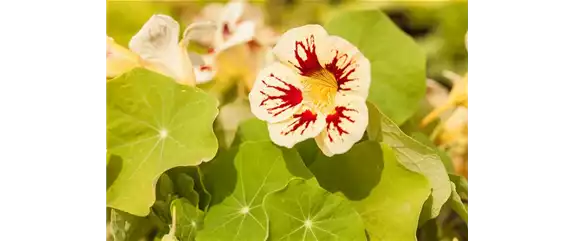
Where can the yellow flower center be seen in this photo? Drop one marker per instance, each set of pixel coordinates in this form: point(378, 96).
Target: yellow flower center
point(320, 89)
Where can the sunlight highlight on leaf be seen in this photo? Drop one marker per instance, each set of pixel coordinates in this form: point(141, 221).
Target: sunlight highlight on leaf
point(154, 124)
point(412, 155)
point(304, 211)
point(260, 167)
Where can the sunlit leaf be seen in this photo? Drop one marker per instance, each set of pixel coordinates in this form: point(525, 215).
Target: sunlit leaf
point(397, 62)
point(393, 207)
point(388, 197)
point(444, 157)
point(256, 130)
point(414, 156)
point(154, 124)
point(252, 130)
point(239, 182)
point(304, 211)
point(189, 219)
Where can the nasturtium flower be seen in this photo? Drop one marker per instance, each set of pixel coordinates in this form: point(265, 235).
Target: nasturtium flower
point(239, 44)
point(317, 89)
point(156, 47)
point(237, 22)
point(119, 59)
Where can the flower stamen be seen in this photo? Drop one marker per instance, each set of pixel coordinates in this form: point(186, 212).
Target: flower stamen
point(320, 88)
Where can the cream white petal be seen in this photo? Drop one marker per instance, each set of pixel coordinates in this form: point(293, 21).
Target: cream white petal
point(309, 49)
point(276, 94)
point(300, 46)
point(203, 66)
point(157, 45)
point(210, 13)
point(304, 124)
point(232, 12)
point(344, 126)
point(198, 30)
point(351, 68)
point(243, 33)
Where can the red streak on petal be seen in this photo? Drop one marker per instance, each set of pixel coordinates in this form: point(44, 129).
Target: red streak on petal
point(226, 30)
point(335, 120)
point(290, 97)
point(305, 118)
point(341, 73)
point(205, 68)
point(311, 63)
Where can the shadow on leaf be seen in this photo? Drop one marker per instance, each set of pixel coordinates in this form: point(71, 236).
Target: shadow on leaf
point(113, 169)
point(220, 175)
point(354, 173)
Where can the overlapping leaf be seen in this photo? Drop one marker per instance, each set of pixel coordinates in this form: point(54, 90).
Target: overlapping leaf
point(239, 181)
point(154, 124)
point(388, 196)
point(305, 211)
point(414, 156)
point(189, 219)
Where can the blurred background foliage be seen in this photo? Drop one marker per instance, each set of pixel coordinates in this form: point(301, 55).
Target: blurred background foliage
point(439, 27)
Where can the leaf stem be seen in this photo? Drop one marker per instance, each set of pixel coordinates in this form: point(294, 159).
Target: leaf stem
point(172, 230)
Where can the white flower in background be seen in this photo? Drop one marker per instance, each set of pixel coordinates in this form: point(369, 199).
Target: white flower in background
point(157, 48)
point(119, 59)
point(240, 34)
point(317, 90)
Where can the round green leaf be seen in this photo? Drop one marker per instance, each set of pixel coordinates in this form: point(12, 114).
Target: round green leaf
point(414, 156)
point(154, 124)
point(307, 212)
point(388, 197)
point(189, 219)
point(397, 62)
point(238, 183)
